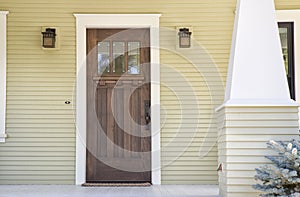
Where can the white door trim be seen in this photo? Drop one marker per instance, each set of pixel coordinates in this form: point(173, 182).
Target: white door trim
point(3, 15)
point(85, 21)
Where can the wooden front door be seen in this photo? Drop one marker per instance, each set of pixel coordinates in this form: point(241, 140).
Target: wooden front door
point(118, 106)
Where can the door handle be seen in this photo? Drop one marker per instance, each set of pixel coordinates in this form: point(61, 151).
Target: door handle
point(147, 105)
point(147, 118)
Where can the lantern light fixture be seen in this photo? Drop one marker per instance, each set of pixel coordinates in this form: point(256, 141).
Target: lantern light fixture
point(49, 38)
point(184, 38)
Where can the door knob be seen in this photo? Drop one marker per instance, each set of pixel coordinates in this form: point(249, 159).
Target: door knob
point(147, 113)
point(147, 118)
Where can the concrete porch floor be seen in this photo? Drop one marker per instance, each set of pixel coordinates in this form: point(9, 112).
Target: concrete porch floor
point(78, 191)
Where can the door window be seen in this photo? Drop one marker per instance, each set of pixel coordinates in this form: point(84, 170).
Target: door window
point(119, 57)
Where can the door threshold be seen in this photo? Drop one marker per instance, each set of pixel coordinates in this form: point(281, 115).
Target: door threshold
point(143, 184)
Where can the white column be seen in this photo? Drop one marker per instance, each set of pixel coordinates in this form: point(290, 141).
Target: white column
point(256, 71)
point(257, 106)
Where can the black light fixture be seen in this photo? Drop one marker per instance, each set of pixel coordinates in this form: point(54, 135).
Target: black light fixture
point(49, 38)
point(184, 38)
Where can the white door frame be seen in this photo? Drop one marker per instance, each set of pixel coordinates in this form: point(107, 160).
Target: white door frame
point(3, 15)
point(85, 21)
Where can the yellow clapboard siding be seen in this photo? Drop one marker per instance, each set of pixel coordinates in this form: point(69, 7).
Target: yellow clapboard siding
point(38, 182)
point(38, 168)
point(34, 51)
point(37, 154)
point(37, 162)
point(34, 149)
point(190, 178)
point(36, 102)
point(188, 182)
point(188, 159)
point(48, 158)
point(186, 139)
point(43, 139)
point(31, 116)
point(194, 149)
point(35, 177)
point(36, 125)
point(189, 173)
point(36, 172)
point(40, 81)
point(285, 5)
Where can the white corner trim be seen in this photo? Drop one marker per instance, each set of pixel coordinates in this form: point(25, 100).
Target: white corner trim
point(85, 21)
point(3, 15)
point(293, 16)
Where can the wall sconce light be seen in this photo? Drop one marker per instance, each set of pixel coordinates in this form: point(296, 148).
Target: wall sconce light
point(49, 38)
point(184, 38)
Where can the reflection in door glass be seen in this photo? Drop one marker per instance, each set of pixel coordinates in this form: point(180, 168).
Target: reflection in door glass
point(286, 32)
point(118, 57)
point(283, 32)
point(134, 57)
point(103, 57)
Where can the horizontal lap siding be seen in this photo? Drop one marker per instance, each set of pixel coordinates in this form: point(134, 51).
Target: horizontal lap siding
point(40, 148)
point(189, 152)
point(41, 144)
point(243, 133)
point(287, 5)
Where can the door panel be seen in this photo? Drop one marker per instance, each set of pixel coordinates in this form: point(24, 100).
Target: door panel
point(118, 121)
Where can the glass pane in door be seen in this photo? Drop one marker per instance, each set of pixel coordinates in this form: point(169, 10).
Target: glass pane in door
point(118, 57)
point(103, 57)
point(134, 57)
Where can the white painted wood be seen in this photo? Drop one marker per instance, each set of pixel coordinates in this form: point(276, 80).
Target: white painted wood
point(242, 143)
point(257, 106)
point(84, 21)
point(293, 16)
point(3, 15)
point(256, 73)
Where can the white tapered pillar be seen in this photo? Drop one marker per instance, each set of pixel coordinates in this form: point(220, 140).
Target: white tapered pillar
point(256, 69)
point(257, 105)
